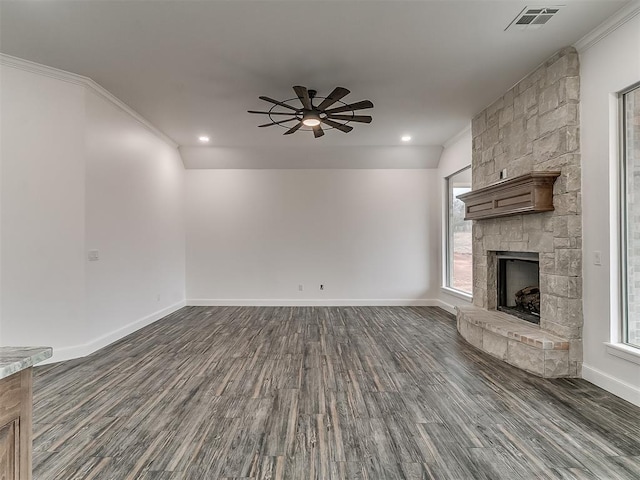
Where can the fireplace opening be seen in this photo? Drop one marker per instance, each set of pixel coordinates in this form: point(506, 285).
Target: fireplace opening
point(519, 285)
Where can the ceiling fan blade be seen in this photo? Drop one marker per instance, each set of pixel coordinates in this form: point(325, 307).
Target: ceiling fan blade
point(351, 107)
point(353, 118)
point(339, 126)
point(303, 95)
point(277, 123)
point(267, 99)
point(317, 131)
point(293, 129)
point(333, 97)
point(272, 113)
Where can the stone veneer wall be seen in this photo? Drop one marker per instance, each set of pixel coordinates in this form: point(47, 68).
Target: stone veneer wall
point(535, 126)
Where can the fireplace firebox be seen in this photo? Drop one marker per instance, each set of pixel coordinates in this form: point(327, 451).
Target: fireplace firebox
point(518, 283)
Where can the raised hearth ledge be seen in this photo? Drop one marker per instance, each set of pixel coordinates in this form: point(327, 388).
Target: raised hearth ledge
point(514, 341)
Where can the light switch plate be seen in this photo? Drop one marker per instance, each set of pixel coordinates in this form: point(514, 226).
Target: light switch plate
point(597, 258)
point(93, 255)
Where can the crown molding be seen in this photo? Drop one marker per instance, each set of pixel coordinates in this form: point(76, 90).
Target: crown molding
point(457, 136)
point(88, 83)
point(622, 16)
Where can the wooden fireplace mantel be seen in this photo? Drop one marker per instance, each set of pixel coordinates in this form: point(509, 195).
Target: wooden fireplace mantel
point(529, 193)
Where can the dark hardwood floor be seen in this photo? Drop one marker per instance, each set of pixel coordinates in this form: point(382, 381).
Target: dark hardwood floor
point(309, 392)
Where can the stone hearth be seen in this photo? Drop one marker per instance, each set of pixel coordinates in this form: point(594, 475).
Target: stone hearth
point(515, 341)
point(533, 127)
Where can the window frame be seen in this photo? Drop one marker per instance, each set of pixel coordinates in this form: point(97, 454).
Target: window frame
point(448, 243)
point(623, 324)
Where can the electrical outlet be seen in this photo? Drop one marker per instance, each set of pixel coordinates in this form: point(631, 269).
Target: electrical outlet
point(321, 287)
point(503, 173)
point(93, 255)
point(158, 298)
point(300, 287)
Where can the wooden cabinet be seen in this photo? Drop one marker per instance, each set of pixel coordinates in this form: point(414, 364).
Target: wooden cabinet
point(530, 193)
point(8, 439)
point(15, 426)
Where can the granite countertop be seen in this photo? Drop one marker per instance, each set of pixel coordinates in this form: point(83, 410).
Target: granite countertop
point(14, 359)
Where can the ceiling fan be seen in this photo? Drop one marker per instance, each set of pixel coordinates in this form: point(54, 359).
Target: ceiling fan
point(315, 116)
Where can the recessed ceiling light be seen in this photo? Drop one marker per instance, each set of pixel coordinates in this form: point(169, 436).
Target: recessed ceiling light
point(204, 139)
point(406, 138)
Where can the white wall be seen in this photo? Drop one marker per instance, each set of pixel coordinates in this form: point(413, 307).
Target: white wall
point(80, 173)
point(42, 210)
point(315, 157)
point(607, 67)
point(254, 235)
point(134, 218)
point(455, 156)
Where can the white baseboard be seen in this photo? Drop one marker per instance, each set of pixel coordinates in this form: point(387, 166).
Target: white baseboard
point(82, 350)
point(445, 306)
point(314, 302)
point(630, 393)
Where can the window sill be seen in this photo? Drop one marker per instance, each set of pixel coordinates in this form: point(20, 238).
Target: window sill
point(457, 293)
point(624, 351)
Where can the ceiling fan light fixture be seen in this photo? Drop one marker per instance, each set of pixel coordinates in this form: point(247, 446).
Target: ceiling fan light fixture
point(311, 119)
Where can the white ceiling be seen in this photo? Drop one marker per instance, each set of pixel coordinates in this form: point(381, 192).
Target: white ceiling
point(195, 67)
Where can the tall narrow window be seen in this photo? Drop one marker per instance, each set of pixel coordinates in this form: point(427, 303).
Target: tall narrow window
point(459, 274)
point(631, 215)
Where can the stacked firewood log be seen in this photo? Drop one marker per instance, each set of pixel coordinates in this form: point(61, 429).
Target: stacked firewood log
point(528, 299)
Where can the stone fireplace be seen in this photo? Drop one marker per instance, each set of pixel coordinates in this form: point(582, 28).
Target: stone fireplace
point(534, 127)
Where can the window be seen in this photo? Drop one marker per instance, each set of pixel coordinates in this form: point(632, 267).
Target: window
point(459, 260)
point(631, 215)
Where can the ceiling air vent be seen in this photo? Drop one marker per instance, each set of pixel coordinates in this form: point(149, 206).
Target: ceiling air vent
point(533, 17)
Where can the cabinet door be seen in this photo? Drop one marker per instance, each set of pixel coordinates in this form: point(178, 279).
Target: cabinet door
point(8, 452)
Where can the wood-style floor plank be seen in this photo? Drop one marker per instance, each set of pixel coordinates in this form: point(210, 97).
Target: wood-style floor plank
point(360, 393)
